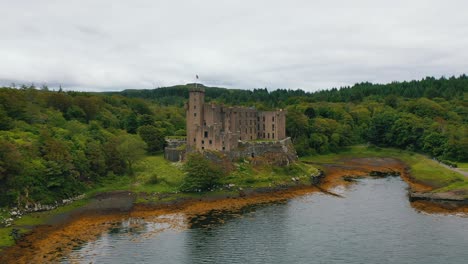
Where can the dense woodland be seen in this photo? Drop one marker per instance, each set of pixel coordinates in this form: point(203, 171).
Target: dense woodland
point(56, 144)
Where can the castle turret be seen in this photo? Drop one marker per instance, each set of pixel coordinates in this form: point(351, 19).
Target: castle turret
point(195, 115)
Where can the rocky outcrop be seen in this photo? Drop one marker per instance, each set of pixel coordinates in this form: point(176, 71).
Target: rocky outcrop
point(437, 197)
point(317, 178)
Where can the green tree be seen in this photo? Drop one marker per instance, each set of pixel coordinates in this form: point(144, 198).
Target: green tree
point(131, 123)
point(297, 123)
point(131, 148)
point(153, 137)
point(380, 128)
point(201, 174)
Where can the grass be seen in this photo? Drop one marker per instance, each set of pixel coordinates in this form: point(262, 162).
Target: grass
point(26, 222)
point(463, 166)
point(5, 238)
point(247, 175)
point(156, 174)
point(423, 168)
point(151, 174)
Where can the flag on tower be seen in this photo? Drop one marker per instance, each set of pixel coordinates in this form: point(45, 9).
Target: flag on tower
point(196, 76)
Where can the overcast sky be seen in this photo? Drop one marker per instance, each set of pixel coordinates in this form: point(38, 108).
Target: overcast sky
point(113, 45)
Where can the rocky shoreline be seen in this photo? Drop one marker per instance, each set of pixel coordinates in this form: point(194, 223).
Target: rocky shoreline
point(47, 243)
point(16, 212)
point(443, 197)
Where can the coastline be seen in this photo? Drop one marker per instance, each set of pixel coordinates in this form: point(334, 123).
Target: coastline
point(49, 242)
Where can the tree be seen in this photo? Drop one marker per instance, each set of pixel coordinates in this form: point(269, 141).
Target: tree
point(10, 160)
point(131, 149)
point(5, 120)
point(201, 174)
point(380, 128)
point(131, 123)
point(296, 123)
point(153, 137)
point(407, 132)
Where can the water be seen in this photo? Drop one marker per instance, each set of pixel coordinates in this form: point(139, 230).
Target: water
point(374, 223)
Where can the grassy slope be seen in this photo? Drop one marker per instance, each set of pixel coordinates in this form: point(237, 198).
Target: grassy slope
point(463, 166)
point(423, 169)
point(247, 175)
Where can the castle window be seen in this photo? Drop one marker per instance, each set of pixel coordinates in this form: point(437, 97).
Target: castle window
point(203, 141)
point(250, 130)
point(268, 135)
point(202, 147)
point(273, 135)
point(195, 114)
point(272, 119)
point(264, 119)
point(224, 148)
point(210, 142)
point(206, 134)
point(204, 122)
point(194, 140)
point(263, 135)
point(194, 107)
point(273, 127)
point(263, 126)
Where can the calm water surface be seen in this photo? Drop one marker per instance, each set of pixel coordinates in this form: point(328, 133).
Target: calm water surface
point(374, 223)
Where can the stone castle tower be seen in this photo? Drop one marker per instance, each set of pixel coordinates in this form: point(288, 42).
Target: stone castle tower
point(215, 127)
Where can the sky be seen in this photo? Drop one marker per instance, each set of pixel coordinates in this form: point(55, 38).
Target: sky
point(90, 45)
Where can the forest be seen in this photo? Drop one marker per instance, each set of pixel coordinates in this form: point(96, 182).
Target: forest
point(57, 144)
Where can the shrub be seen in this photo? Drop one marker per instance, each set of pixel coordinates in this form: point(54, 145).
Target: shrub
point(201, 174)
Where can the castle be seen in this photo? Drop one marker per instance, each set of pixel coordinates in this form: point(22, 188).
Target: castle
point(237, 132)
point(220, 128)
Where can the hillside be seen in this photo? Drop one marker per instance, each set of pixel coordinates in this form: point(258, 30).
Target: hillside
point(55, 144)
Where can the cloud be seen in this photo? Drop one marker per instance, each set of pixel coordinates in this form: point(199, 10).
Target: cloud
point(115, 45)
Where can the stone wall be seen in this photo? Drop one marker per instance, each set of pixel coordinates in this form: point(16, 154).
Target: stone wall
point(280, 152)
point(175, 149)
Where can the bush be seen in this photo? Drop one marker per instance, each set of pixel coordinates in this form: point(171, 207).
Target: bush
point(201, 174)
